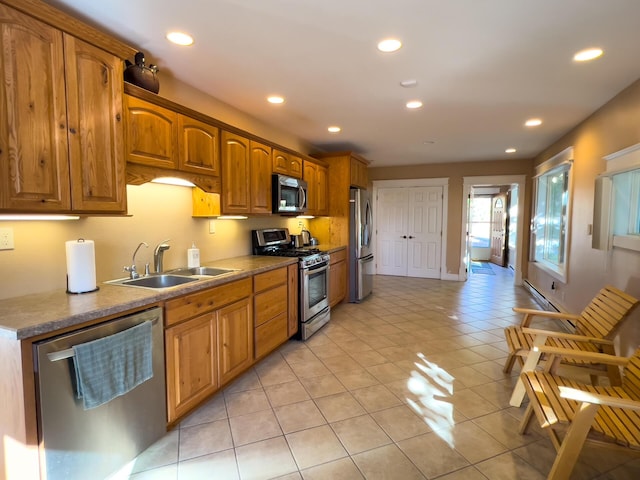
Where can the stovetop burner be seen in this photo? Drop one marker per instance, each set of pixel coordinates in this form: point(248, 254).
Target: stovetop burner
point(277, 242)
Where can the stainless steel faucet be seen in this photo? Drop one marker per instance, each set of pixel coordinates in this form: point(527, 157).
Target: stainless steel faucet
point(133, 273)
point(158, 253)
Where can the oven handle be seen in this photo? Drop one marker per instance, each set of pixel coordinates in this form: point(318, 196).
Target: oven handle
point(315, 268)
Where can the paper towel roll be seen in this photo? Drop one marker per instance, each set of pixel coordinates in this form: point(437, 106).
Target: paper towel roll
point(81, 266)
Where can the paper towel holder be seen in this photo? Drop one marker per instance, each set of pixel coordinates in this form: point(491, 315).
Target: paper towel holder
point(80, 240)
point(80, 293)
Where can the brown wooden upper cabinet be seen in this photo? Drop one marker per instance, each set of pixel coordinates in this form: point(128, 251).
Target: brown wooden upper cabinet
point(316, 176)
point(162, 138)
point(359, 175)
point(260, 187)
point(199, 146)
point(246, 175)
point(61, 129)
point(287, 164)
point(152, 134)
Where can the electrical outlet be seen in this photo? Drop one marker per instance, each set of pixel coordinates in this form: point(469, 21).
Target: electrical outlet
point(6, 239)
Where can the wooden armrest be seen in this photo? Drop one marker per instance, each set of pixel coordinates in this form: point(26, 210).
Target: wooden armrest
point(545, 313)
point(580, 355)
point(567, 336)
point(598, 399)
point(529, 313)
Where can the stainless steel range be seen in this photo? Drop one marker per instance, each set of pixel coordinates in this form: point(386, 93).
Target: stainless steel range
point(313, 291)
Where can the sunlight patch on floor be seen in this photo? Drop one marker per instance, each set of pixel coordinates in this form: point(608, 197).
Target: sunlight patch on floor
point(432, 385)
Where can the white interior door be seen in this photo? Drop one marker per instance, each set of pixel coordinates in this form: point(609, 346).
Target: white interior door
point(410, 231)
point(392, 231)
point(425, 232)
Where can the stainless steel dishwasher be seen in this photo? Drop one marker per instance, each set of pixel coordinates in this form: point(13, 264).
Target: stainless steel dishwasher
point(80, 444)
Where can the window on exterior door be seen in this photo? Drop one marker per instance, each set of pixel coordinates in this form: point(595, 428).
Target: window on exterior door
point(551, 215)
point(480, 222)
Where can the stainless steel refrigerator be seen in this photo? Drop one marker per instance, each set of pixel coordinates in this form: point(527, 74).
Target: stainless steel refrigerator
point(361, 265)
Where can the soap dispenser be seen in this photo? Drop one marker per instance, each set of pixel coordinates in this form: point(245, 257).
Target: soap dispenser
point(193, 256)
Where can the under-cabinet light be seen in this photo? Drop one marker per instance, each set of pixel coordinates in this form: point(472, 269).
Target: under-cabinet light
point(232, 217)
point(38, 217)
point(173, 181)
point(305, 216)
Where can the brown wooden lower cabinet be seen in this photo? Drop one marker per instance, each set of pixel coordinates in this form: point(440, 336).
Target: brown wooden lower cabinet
point(191, 359)
point(271, 334)
point(235, 339)
point(292, 292)
point(338, 277)
point(208, 342)
point(271, 305)
point(214, 335)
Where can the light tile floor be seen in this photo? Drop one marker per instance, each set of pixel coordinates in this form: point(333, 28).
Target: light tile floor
point(407, 384)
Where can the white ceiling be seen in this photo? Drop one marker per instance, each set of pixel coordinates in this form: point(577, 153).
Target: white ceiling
point(483, 67)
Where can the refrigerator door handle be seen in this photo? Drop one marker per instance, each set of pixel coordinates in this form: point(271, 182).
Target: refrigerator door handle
point(368, 225)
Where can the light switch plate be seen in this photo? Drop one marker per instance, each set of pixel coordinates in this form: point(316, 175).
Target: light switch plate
point(212, 226)
point(6, 238)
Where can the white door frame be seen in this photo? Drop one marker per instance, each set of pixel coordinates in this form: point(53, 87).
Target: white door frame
point(418, 182)
point(468, 183)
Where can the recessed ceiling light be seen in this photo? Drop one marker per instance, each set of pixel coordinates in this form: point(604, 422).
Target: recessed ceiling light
point(412, 104)
point(275, 99)
point(180, 38)
point(408, 83)
point(334, 129)
point(588, 54)
point(389, 45)
point(510, 150)
point(533, 122)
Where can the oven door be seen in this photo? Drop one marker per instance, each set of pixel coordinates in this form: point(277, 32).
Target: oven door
point(314, 290)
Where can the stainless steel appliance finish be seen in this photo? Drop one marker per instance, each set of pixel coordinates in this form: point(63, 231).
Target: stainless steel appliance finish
point(313, 291)
point(314, 286)
point(361, 266)
point(80, 444)
point(289, 195)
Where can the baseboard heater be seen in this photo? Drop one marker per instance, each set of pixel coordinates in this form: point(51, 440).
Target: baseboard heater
point(539, 297)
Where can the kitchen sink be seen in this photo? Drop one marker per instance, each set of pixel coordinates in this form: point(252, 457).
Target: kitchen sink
point(204, 271)
point(154, 281)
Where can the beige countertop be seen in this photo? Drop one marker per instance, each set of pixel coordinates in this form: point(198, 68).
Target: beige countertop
point(42, 313)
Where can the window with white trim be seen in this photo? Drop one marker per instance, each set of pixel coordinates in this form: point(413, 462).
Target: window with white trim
point(626, 212)
point(551, 215)
point(617, 202)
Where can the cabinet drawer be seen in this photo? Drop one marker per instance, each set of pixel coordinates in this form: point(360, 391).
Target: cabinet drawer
point(338, 256)
point(200, 302)
point(269, 279)
point(270, 304)
point(271, 334)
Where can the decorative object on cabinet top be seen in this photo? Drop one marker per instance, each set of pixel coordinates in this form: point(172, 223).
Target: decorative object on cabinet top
point(141, 75)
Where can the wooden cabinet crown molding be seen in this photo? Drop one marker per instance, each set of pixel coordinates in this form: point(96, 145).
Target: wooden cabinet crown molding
point(67, 23)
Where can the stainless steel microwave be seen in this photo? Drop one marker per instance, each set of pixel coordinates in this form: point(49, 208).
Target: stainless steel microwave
point(289, 195)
